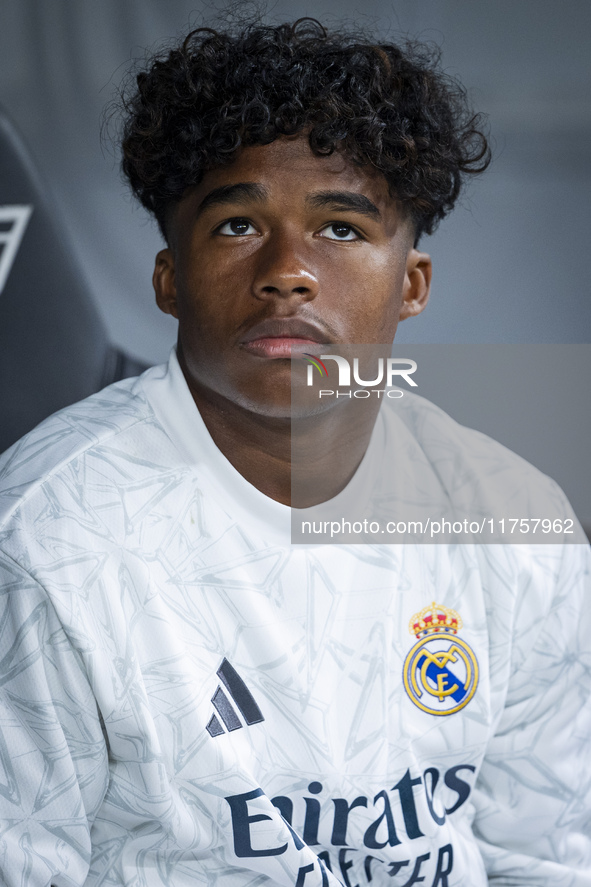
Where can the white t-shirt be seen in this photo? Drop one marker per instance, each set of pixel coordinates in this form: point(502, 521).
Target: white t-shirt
point(186, 698)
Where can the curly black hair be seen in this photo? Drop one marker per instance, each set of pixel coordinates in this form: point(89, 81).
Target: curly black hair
point(382, 106)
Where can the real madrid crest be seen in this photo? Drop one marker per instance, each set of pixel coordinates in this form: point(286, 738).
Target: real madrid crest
point(440, 671)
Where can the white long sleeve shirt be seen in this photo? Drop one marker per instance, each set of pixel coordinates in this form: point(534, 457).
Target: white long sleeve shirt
point(186, 698)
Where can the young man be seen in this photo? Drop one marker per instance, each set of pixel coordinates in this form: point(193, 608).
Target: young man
point(189, 699)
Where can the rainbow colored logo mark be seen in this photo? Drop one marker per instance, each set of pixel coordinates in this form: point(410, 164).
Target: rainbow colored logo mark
point(315, 361)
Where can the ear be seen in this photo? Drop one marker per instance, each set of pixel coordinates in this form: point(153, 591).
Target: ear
point(163, 282)
point(417, 284)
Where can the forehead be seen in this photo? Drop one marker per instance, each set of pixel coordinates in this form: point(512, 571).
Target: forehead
point(289, 170)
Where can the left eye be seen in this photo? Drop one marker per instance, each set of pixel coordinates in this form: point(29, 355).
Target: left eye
point(339, 231)
point(236, 227)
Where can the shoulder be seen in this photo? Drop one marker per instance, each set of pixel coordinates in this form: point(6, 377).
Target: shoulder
point(114, 425)
point(477, 475)
point(462, 450)
point(437, 431)
point(430, 423)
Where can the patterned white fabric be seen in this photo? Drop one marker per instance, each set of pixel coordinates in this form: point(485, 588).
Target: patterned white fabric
point(143, 578)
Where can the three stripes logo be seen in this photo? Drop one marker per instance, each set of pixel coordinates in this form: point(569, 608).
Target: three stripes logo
point(226, 715)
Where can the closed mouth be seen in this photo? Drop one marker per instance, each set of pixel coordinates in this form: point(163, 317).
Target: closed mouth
point(275, 337)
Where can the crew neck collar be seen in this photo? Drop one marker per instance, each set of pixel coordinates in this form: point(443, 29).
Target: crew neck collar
point(167, 391)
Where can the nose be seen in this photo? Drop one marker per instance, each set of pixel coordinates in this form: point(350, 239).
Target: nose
point(283, 272)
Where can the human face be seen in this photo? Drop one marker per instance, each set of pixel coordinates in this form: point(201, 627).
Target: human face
point(283, 248)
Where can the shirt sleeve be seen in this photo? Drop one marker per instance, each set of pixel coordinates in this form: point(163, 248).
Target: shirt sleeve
point(53, 755)
point(533, 794)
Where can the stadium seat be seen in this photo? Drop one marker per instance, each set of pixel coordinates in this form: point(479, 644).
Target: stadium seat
point(54, 348)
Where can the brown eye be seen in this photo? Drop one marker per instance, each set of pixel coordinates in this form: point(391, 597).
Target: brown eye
point(340, 231)
point(236, 227)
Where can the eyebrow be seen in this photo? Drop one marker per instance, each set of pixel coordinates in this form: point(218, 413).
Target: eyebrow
point(247, 191)
point(348, 201)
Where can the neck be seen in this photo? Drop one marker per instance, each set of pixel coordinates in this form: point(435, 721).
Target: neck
point(302, 462)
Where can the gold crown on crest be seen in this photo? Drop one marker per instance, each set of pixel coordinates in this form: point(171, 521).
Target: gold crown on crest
point(434, 619)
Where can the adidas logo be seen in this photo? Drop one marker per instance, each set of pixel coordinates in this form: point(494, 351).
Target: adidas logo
point(242, 697)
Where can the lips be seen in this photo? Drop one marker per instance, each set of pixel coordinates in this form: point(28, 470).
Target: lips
point(274, 338)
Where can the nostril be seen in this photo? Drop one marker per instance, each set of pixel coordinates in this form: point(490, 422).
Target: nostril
point(278, 291)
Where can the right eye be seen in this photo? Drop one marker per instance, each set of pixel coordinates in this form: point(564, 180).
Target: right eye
point(236, 228)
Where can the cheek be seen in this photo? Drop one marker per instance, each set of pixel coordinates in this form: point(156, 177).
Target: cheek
point(206, 301)
point(375, 301)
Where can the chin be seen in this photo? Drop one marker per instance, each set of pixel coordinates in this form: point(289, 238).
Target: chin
point(282, 408)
